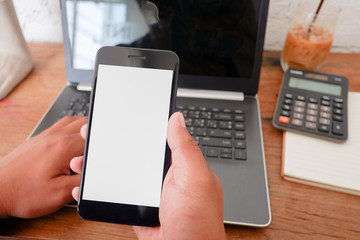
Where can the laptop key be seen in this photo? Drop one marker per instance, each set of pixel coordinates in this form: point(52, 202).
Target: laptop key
point(226, 153)
point(189, 122)
point(68, 113)
point(81, 113)
point(239, 126)
point(200, 132)
point(240, 135)
point(239, 111)
point(240, 155)
point(225, 125)
point(69, 106)
point(239, 118)
point(205, 115)
point(193, 108)
point(211, 124)
point(212, 152)
point(226, 150)
point(219, 133)
point(193, 114)
point(79, 106)
point(216, 142)
point(222, 116)
point(240, 144)
point(199, 123)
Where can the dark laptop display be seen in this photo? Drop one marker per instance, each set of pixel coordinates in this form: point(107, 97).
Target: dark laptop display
point(220, 44)
point(213, 39)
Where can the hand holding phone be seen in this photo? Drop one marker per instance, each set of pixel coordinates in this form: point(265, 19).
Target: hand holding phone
point(191, 206)
point(126, 155)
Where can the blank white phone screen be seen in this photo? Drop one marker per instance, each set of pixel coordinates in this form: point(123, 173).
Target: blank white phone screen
point(126, 148)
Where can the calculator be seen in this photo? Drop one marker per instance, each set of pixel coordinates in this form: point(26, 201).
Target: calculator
point(313, 103)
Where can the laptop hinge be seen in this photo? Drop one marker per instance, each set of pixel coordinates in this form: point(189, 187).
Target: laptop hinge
point(210, 94)
point(84, 87)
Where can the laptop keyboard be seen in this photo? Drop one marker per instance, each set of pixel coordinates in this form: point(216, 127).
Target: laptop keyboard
point(219, 132)
point(76, 107)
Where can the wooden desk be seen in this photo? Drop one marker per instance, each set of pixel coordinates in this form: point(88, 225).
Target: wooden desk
point(298, 211)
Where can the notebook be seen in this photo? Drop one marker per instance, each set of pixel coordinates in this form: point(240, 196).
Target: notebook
point(323, 163)
point(220, 46)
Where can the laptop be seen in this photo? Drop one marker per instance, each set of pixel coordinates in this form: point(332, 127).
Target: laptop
point(220, 45)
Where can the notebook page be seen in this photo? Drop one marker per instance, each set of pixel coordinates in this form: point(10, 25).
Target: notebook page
point(326, 162)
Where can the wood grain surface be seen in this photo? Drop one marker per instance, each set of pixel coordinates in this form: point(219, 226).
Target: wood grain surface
point(298, 211)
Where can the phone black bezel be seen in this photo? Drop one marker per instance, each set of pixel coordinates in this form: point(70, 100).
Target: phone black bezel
point(116, 212)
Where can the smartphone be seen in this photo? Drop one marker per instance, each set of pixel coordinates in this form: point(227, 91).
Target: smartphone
point(126, 155)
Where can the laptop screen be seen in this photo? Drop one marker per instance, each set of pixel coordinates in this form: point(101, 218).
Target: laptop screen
point(219, 42)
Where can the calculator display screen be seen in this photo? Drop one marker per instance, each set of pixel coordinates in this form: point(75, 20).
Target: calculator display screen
point(315, 86)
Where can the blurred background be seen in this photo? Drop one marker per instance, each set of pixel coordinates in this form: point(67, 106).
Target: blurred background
point(40, 22)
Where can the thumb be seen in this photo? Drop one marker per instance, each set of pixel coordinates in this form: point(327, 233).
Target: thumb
point(184, 150)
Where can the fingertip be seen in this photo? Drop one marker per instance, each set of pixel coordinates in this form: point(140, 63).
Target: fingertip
point(76, 164)
point(178, 118)
point(176, 128)
point(75, 193)
point(83, 131)
point(181, 119)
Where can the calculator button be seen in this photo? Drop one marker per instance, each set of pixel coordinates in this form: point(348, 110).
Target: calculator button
point(300, 98)
point(285, 113)
point(311, 112)
point(338, 100)
point(337, 128)
point(310, 125)
point(297, 122)
point(337, 118)
point(299, 103)
point(324, 102)
point(313, 100)
point(312, 106)
point(324, 115)
point(324, 121)
point(338, 111)
point(288, 101)
point(326, 98)
point(298, 115)
point(337, 105)
point(289, 96)
point(299, 109)
point(284, 119)
point(325, 108)
point(311, 118)
point(286, 107)
point(323, 128)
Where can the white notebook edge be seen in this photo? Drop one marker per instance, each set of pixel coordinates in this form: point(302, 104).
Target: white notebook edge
point(322, 185)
